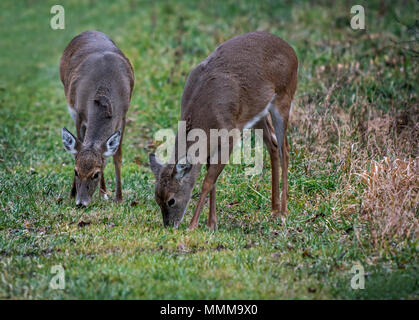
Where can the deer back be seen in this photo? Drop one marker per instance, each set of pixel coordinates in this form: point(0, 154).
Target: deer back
point(236, 82)
point(98, 80)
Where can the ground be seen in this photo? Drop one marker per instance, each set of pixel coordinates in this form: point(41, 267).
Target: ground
point(353, 161)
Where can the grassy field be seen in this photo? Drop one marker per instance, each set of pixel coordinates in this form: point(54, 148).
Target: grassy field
point(353, 161)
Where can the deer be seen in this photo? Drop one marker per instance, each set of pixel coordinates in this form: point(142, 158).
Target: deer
point(98, 81)
point(249, 81)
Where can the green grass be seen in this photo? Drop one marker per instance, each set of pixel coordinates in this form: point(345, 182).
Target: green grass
point(125, 253)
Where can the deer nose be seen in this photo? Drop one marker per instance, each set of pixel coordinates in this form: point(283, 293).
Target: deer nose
point(82, 204)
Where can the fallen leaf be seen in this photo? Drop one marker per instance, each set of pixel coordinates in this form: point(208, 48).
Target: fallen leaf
point(306, 253)
point(27, 224)
point(248, 245)
point(276, 255)
point(232, 204)
point(137, 160)
point(135, 203)
point(82, 223)
point(182, 247)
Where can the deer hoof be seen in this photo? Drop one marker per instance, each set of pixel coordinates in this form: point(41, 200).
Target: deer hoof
point(212, 226)
point(192, 227)
point(276, 215)
point(279, 216)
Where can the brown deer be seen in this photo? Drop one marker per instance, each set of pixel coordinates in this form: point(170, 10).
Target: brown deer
point(98, 80)
point(243, 81)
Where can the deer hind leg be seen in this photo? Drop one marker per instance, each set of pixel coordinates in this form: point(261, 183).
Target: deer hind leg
point(272, 146)
point(212, 216)
point(284, 168)
point(280, 113)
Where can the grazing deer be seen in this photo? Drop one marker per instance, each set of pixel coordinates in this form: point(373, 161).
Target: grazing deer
point(98, 80)
point(243, 81)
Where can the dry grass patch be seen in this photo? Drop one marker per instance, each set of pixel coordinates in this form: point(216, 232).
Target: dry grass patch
point(390, 200)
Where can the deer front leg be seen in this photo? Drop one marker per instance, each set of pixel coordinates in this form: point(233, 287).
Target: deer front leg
point(103, 185)
point(213, 172)
point(117, 159)
point(73, 189)
point(212, 217)
point(77, 122)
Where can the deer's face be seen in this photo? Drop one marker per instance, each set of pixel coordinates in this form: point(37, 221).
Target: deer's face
point(173, 189)
point(90, 162)
point(87, 172)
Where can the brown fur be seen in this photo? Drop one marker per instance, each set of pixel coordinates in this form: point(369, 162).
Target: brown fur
point(227, 90)
point(98, 81)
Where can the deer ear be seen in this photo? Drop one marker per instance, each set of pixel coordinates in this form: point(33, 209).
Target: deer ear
point(71, 143)
point(112, 144)
point(182, 168)
point(155, 164)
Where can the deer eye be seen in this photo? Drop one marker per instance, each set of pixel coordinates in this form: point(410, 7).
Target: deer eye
point(95, 176)
point(76, 173)
point(171, 202)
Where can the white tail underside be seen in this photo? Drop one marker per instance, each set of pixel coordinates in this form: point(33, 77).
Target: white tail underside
point(260, 115)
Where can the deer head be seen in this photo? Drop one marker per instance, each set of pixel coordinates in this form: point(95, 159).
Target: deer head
point(173, 188)
point(90, 162)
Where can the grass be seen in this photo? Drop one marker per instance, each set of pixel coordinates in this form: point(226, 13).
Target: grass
point(356, 103)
